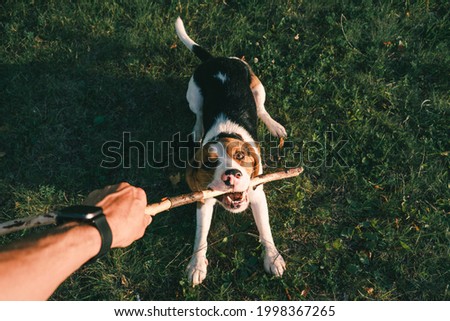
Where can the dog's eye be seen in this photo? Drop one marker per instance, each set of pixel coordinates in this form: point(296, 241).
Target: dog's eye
point(210, 164)
point(239, 155)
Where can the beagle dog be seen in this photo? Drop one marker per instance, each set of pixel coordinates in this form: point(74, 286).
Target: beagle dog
point(227, 98)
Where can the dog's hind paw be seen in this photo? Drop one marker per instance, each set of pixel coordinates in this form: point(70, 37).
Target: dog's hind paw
point(274, 127)
point(197, 270)
point(277, 130)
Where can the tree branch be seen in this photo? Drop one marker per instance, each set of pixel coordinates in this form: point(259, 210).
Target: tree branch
point(152, 209)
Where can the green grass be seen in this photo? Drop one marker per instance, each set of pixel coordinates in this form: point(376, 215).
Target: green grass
point(373, 226)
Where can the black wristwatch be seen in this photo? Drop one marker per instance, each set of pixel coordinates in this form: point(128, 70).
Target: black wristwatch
point(90, 215)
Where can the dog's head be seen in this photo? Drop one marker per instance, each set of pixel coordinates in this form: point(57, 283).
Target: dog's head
point(224, 164)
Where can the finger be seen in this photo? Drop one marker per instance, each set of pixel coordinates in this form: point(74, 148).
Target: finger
point(140, 196)
point(93, 197)
point(147, 220)
point(121, 186)
point(140, 193)
point(105, 195)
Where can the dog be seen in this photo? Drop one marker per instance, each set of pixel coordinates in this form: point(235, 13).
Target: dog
point(227, 99)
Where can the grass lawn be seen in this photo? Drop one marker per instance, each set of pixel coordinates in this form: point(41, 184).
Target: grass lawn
point(363, 91)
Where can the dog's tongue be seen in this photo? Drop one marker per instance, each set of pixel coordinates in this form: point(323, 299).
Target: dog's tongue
point(233, 198)
point(236, 196)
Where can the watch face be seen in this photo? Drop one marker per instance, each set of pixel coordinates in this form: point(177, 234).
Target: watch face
point(79, 212)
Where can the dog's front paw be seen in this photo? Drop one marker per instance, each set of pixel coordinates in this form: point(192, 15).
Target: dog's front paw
point(197, 269)
point(274, 263)
point(276, 129)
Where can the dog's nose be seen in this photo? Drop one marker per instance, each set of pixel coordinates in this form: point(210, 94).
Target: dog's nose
point(231, 176)
point(234, 172)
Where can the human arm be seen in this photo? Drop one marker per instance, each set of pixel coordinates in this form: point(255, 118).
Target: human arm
point(33, 269)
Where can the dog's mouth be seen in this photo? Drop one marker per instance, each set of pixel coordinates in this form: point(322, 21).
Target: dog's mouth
point(233, 200)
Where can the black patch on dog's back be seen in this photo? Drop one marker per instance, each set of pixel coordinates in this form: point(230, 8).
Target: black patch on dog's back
point(232, 97)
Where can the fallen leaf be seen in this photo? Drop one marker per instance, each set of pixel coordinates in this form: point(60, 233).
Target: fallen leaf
point(281, 144)
point(369, 291)
point(401, 45)
point(305, 292)
point(124, 281)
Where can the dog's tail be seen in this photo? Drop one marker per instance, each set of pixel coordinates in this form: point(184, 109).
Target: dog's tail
point(191, 44)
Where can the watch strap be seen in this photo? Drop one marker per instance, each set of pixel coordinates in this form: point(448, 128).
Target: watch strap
point(92, 215)
point(102, 226)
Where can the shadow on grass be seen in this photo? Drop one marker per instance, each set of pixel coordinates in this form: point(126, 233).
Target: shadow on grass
point(57, 113)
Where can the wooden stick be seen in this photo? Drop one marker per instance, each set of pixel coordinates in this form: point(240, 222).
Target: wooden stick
point(23, 223)
point(152, 209)
point(172, 202)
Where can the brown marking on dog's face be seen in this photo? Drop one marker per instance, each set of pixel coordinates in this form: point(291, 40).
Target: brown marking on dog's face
point(201, 170)
point(244, 154)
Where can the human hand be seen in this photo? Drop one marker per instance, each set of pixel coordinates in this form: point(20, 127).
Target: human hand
point(124, 208)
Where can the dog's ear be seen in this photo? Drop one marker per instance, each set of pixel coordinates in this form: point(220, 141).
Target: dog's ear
point(251, 161)
point(200, 172)
point(255, 155)
point(191, 174)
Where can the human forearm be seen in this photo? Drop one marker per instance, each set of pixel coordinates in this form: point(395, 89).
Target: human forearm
point(34, 271)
